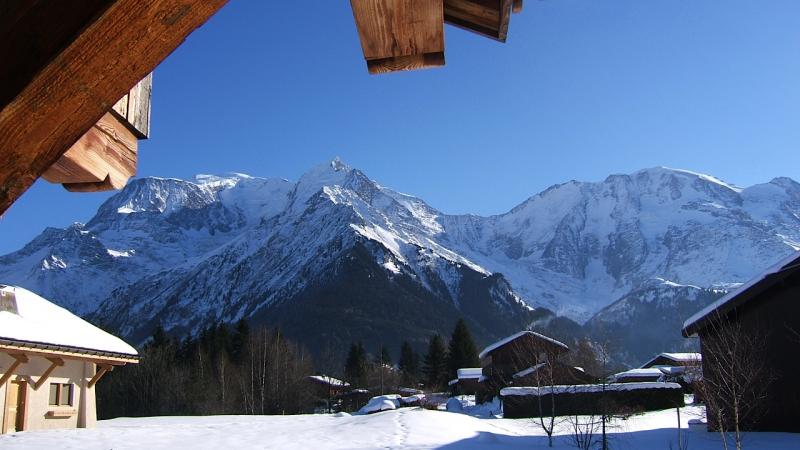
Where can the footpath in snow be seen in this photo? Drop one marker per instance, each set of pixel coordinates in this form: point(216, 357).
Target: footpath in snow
point(405, 428)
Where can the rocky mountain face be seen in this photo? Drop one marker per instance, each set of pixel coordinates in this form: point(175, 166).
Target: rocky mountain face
point(336, 257)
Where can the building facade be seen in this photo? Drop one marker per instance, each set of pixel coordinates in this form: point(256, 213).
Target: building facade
point(50, 361)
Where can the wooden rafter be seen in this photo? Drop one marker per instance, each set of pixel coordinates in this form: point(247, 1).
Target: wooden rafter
point(54, 364)
point(400, 34)
point(102, 159)
point(19, 359)
point(102, 370)
point(118, 42)
point(488, 18)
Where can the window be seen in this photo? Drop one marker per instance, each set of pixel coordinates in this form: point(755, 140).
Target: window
point(61, 394)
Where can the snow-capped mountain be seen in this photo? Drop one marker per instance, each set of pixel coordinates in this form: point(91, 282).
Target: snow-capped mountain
point(337, 257)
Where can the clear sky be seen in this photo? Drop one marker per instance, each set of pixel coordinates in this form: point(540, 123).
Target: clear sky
point(582, 89)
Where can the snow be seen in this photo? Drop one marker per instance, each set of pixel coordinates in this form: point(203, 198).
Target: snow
point(515, 336)
point(381, 403)
point(329, 380)
point(402, 429)
point(469, 372)
point(633, 373)
point(38, 321)
point(584, 388)
point(454, 405)
point(708, 178)
point(528, 371)
point(733, 294)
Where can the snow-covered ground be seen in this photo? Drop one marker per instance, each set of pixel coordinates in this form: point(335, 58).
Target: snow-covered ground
point(405, 428)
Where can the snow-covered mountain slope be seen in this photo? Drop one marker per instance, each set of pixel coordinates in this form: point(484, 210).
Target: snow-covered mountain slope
point(337, 253)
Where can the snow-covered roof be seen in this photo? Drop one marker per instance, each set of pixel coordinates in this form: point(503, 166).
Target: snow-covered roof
point(635, 373)
point(689, 327)
point(515, 336)
point(682, 358)
point(583, 388)
point(528, 371)
point(329, 380)
point(31, 321)
point(469, 372)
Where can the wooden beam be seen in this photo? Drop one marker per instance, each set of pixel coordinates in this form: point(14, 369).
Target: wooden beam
point(105, 368)
point(133, 109)
point(488, 18)
point(121, 43)
point(54, 364)
point(102, 159)
point(19, 359)
point(400, 34)
point(97, 359)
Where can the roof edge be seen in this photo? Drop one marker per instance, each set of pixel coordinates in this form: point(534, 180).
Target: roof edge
point(68, 350)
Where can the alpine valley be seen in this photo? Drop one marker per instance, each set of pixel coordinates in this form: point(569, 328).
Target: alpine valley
point(335, 257)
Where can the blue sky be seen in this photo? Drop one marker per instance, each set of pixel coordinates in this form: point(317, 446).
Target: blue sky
point(582, 89)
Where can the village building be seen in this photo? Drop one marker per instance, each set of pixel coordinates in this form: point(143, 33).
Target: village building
point(326, 389)
point(518, 358)
point(50, 361)
point(766, 308)
point(674, 360)
point(467, 381)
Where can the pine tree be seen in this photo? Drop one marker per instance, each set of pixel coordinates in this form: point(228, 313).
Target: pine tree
point(462, 351)
point(356, 367)
point(239, 341)
point(409, 364)
point(160, 338)
point(435, 368)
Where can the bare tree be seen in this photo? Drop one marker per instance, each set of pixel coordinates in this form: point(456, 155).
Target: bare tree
point(735, 377)
point(583, 431)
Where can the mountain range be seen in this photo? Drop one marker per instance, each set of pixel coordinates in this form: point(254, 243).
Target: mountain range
point(336, 257)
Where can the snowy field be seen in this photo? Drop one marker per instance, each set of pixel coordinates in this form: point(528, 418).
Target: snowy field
point(406, 428)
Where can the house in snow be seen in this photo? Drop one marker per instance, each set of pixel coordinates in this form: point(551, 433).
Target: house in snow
point(521, 357)
point(50, 361)
point(674, 367)
point(467, 381)
point(768, 308)
point(674, 360)
point(326, 389)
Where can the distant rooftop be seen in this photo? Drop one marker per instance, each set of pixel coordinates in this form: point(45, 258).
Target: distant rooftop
point(516, 336)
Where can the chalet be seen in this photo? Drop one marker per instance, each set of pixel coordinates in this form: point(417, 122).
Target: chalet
point(326, 390)
point(766, 308)
point(674, 360)
point(50, 361)
point(518, 356)
point(467, 381)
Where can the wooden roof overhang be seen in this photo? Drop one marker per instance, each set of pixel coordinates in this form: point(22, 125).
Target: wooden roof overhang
point(743, 296)
point(409, 34)
point(67, 63)
point(13, 346)
point(20, 351)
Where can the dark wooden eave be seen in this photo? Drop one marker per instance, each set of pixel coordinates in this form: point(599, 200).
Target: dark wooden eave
point(72, 61)
point(409, 34)
point(489, 18)
point(742, 297)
